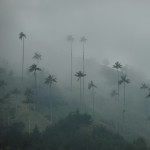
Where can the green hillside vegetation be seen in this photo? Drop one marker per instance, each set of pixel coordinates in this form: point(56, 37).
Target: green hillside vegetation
point(76, 131)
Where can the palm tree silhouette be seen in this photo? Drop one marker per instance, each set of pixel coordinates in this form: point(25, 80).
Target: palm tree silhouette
point(125, 81)
point(49, 81)
point(117, 66)
point(79, 75)
point(83, 41)
point(71, 39)
point(92, 86)
point(37, 56)
point(29, 99)
point(22, 36)
point(33, 68)
point(113, 93)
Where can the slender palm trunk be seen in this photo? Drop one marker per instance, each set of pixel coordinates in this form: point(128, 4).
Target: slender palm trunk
point(145, 108)
point(8, 117)
point(145, 103)
point(36, 91)
point(23, 59)
point(29, 123)
point(51, 111)
point(124, 102)
point(93, 100)
point(80, 95)
point(83, 72)
point(71, 66)
point(118, 84)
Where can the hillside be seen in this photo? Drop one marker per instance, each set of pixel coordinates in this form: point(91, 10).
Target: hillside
point(76, 131)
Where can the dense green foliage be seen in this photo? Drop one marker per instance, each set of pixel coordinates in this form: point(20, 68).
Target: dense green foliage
point(75, 132)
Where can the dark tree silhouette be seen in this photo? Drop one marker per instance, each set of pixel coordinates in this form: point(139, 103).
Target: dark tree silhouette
point(125, 81)
point(29, 99)
point(71, 39)
point(22, 36)
point(117, 66)
point(37, 56)
point(49, 81)
point(79, 75)
point(16, 92)
point(144, 87)
point(2, 83)
point(33, 68)
point(92, 86)
point(83, 41)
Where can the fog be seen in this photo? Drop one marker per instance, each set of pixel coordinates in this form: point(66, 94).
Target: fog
point(115, 30)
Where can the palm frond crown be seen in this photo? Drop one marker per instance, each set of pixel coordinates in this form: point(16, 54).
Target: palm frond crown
point(144, 86)
point(37, 56)
point(91, 85)
point(117, 65)
point(113, 93)
point(70, 38)
point(80, 74)
point(34, 68)
point(83, 39)
point(124, 79)
point(22, 35)
point(50, 79)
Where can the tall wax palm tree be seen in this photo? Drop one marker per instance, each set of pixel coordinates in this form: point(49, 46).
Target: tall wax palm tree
point(79, 75)
point(117, 66)
point(92, 86)
point(70, 39)
point(49, 81)
point(29, 99)
point(37, 56)
point(22, 36)
point(33, 68)
point(125, 81)
point(144, 87)
point(83, 41)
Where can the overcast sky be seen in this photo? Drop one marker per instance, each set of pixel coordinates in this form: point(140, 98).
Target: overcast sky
point(117, 30)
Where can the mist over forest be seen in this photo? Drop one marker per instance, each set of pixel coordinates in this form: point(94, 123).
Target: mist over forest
point(74, 75)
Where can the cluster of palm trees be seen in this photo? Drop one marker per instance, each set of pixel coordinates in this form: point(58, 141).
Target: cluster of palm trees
point(83, 40)
point(81, 73)
point(120, 80)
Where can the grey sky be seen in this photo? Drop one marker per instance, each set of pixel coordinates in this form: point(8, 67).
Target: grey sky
point(117, 30)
